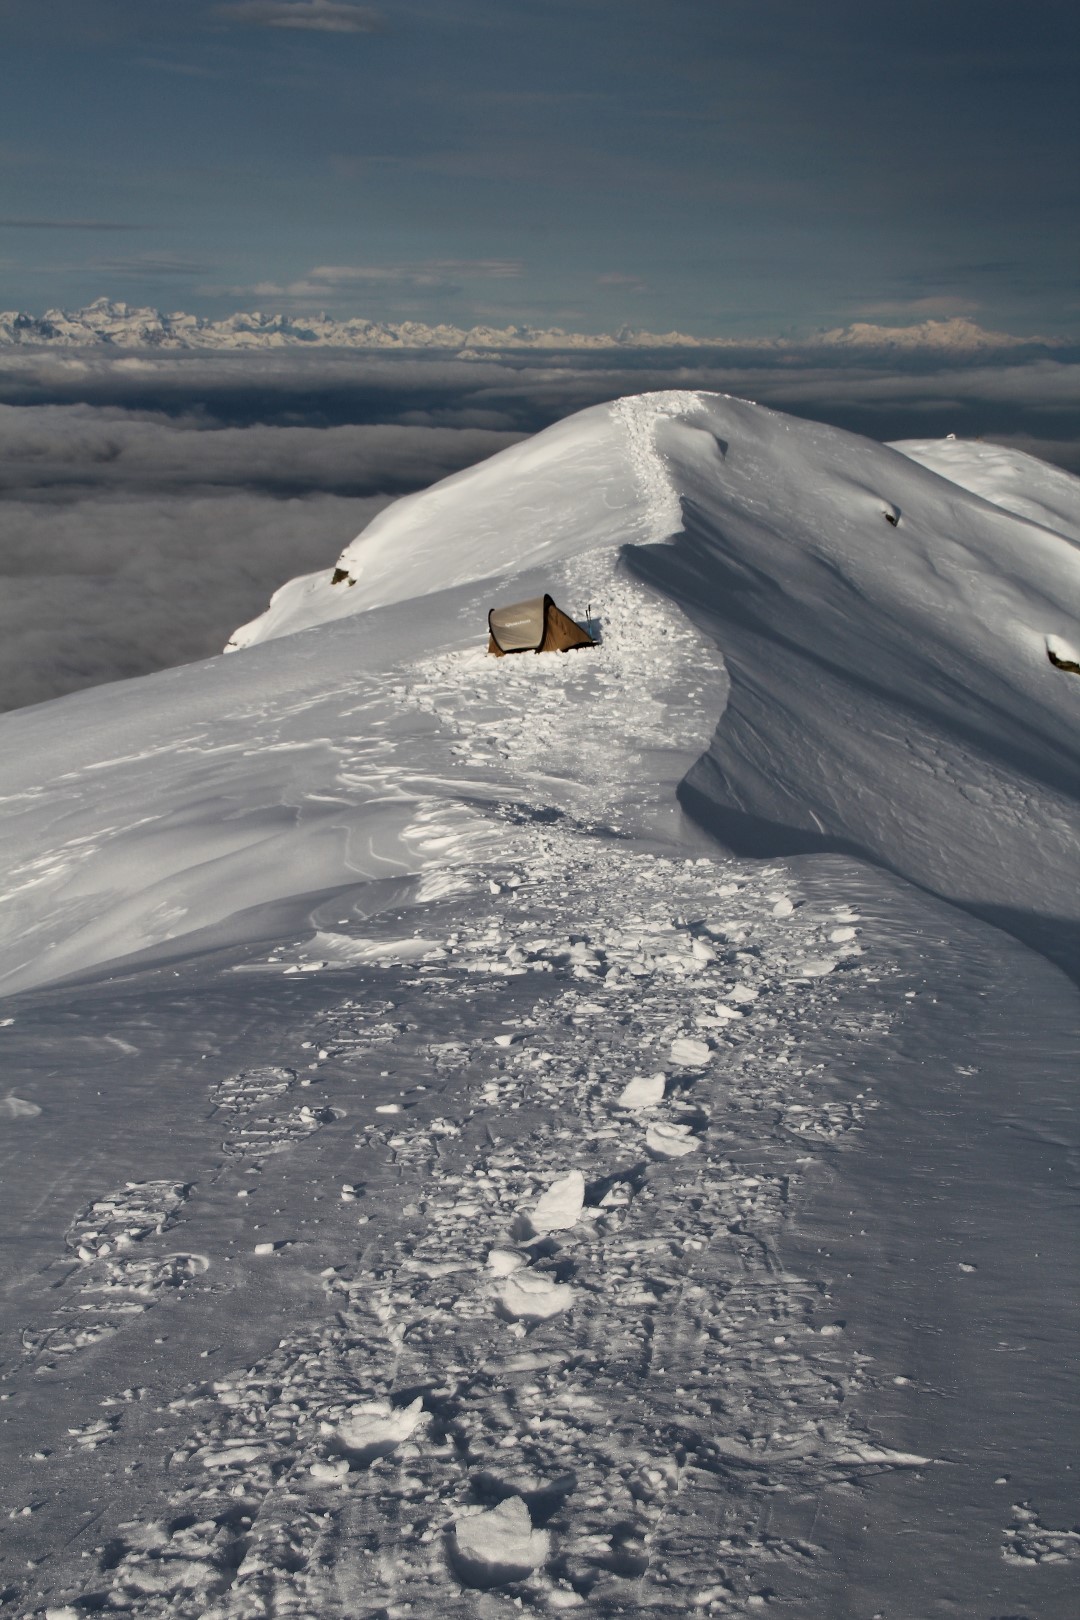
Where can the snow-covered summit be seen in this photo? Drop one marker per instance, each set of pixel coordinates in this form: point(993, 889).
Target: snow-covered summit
point(1007, 477)
point(590, 481)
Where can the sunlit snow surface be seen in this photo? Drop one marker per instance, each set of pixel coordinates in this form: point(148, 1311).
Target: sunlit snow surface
point(439, 1178)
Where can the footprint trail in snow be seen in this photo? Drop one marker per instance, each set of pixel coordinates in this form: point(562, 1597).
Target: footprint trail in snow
point(548, 1382)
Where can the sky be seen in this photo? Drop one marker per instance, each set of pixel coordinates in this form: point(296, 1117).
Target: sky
point(737, 169)
point(718, 167)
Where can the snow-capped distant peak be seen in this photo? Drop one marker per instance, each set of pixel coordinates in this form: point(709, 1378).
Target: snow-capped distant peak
point(959, 333)
point(105, 321)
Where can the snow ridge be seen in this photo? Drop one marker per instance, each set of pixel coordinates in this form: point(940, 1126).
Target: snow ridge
point(640, 415)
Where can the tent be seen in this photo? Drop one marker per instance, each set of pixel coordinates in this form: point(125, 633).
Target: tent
point(534, 626)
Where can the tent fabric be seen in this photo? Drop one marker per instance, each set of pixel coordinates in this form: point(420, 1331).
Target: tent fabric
point(534, 626)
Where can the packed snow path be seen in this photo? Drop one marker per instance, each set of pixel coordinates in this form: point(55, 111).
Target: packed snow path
point(609, 1361)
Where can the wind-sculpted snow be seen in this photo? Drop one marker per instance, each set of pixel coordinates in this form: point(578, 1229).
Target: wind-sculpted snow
point(516, 1357)
point(887, 636)
point(898, 649)
point(574, 1343)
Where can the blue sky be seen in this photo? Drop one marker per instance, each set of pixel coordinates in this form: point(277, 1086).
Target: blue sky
point(723, 167)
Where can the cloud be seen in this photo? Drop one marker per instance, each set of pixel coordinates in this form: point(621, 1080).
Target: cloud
point(150, 264)
point(320, 16)
point(131, 541)
point(324, 280)
point(619, 278)
point(153, 501)
point(8, 224)
point(109, 586)
point(886, 394)
point(76, 448)
point(943, 305)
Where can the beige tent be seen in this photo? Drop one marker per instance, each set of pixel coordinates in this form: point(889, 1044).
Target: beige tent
point(534, 626)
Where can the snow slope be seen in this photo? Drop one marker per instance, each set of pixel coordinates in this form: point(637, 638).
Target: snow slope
point(1009, 478)
point(591, 481)
point(436, 1176)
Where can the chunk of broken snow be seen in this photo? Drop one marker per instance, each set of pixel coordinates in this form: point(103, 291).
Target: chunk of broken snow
point(643, 1091)
point(742, 992)
point(560, 1207)
point(233, 1457)
point(840, 936)
point(857, 1453)
point(815, 967)
point(375, 1428)
point(336, 1468)
point(343, 949)
point(616, 1197)
point(509, 1040)
point(670, 1141)
point(503, 1261)
point(492, 1547)
point(783, 907)
point(529, 1297)
point(689, 1053)
point(703, 952)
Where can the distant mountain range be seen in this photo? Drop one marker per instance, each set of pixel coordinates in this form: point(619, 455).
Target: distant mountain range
point(123, 327)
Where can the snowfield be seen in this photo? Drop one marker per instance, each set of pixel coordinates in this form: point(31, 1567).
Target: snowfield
point(598, 1131)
